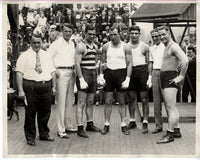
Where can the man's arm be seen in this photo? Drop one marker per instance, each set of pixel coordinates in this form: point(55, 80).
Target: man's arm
point(182, 57)
point(78, 57)
point(80, 49)
point(178, 52)
point(19, 79)
point(128, 55)
point(103, 65)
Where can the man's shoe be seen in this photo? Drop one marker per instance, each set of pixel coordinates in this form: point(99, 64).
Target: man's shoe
point(132, 125)
point(62, 135)
point(31, 142)
point(92, 128)
point(145, 128)
point(125, 130)
point(48, 138)
point(177, 133)
point(81, 132)
point(105, 130)
point(167, 138)
point(157, 130)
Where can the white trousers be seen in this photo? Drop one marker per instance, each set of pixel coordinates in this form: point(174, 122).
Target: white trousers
point(64, 99)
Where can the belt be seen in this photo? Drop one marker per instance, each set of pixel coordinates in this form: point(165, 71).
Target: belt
point(62, 67)
point(156, 69)
point(37, 82)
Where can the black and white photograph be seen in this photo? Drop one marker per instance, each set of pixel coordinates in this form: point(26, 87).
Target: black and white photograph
point(100, 79)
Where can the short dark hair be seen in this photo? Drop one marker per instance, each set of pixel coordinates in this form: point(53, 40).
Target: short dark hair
point(134, 28)
point(191, 47)
point(89, 27)
point(154, 30)
point(166, 28)
point(68, 25)
point(113, 28)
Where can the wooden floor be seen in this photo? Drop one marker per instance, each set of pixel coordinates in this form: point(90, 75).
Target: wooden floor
point(114, 142)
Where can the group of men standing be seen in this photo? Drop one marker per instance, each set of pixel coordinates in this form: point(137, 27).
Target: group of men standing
point(125, 68)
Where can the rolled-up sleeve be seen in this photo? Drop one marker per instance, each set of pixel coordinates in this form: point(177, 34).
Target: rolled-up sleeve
point(21, 63)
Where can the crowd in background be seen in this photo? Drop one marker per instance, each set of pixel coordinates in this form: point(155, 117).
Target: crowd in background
point(49, 22)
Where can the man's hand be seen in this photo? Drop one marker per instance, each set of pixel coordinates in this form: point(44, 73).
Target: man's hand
point(83, 83)
point(103, 66)
point(149, 81)
point(21, 94)
point(177, 79)
point(125, 84)
point(100, 80)
point(54, 90)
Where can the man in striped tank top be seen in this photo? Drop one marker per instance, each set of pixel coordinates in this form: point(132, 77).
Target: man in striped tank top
point(170, 82)
point(85, 59)
point(116, 60)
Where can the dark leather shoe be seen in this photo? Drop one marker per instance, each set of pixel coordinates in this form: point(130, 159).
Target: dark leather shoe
point(157, 130)
point(31, 142)
point(47, 138)
point(167, 138)
point(177, 133)
point(145, 128)
point(132, 125)
point(105, 130)
point(81, 132)
point(92, 128)
point(125, 130)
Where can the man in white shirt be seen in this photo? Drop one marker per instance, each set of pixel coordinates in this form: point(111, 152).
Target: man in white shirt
point(155, 61)
point(63, 54)
point(35, 71)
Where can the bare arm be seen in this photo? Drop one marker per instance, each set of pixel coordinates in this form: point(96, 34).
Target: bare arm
point(19, 79)
point(80, 49)
point(103, 57)
point(178, 52)
point(128, 56)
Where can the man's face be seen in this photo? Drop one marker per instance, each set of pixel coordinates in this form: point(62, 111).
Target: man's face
point(115, 36)
point(90, 35)
point(190, 53)
point(155, 37)
point(134, 35)
point(67, 32)
point(36, 44)
point(164, 36)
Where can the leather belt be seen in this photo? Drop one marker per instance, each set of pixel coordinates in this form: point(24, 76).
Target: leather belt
point(156, 69)
point(62, 67)
point(37, 82)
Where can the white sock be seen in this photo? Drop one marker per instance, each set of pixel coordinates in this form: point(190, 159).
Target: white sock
point(107, 123)
point(132, 119)
point(123, 124)
point(145, 121)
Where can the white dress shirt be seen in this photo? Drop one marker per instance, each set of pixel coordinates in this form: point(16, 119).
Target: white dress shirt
point(156, 54)
point(26, 65)
point(63, 52)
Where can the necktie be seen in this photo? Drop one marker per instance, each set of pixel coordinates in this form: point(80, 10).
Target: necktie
point(38, 67)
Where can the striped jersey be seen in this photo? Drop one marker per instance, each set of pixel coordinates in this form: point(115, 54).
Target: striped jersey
point(89, 58)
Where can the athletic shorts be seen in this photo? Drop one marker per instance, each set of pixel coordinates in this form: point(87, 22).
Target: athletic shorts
point(166, 76)
point(139, 78)
point(114, 79)
point(90, 76)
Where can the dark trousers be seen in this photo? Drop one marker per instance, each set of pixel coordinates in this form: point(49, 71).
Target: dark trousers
point(39, 102)
point(187, 89)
